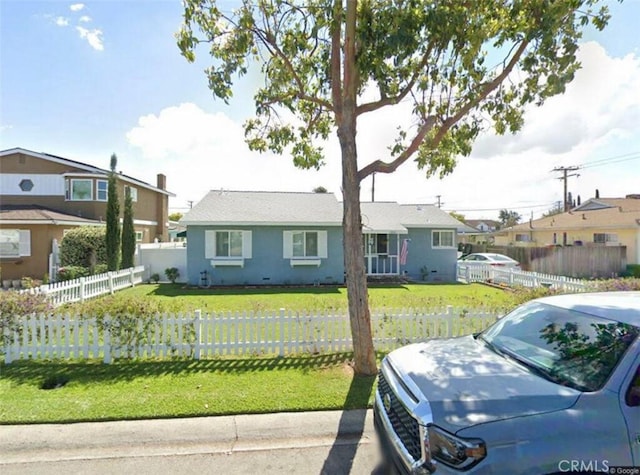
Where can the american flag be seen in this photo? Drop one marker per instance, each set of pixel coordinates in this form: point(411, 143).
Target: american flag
point(404, 252)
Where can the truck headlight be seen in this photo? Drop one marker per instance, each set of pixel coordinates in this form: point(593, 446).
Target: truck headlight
point(454, 451)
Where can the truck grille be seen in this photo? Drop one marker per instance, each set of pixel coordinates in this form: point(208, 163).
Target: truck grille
point(404, 425)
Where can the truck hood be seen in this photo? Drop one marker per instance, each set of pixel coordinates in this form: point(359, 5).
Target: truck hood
point(466, 383)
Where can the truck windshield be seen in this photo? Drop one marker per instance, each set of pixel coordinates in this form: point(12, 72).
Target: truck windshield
point(564, 346)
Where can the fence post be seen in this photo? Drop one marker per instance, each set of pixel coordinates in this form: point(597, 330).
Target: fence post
point(563, 282)
point(467, 273)
point(196, 326)
point(511, 277)
point(110, 279)
point(81, 289)
point(449, 321)
point(282, 332)
point(131, 276)
point(107, 340)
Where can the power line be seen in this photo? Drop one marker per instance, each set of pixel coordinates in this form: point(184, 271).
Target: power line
point(565, 176)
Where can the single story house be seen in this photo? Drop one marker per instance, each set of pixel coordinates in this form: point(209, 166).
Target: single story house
point(596, 222)
point(253, 238)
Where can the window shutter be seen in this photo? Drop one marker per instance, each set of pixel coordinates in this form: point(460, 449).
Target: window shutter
point(25, 242)
point(287, 244)
point(209, 244)
point(322, 245)
point(246, 244)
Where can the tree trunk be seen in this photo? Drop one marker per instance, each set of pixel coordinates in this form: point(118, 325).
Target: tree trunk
point(359, 316)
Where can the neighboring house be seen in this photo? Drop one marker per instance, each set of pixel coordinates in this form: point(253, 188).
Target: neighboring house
point(483, 225)
point(253, 238)
point(42, 196)
point(477, 231)
point(597, 222)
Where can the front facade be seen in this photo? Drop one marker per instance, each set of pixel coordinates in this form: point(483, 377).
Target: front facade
point(597, 222)
point(47, 195)
point(263, 238)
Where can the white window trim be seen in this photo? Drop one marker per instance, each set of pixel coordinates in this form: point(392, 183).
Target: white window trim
point(299, 261)
point(106, 198)
point(433, 232)
point(24, 244)
point(134, 193)
point(69, 194)
point(287, 247)
point(220, 261)
point(139, 236)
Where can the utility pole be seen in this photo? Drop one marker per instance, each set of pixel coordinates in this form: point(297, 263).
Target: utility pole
point(439, 202)
point(565, 175)
point(373, 187)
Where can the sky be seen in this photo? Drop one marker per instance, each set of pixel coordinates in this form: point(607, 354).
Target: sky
point(85, 80)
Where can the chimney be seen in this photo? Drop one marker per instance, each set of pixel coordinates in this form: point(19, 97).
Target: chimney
point(597, 193)
point(162, 181)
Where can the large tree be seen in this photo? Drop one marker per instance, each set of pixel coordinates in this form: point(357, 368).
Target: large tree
point(128, 232)
point(463, 66)
point(113, 218)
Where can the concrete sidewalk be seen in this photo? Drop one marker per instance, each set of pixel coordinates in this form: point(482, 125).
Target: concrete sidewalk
point(203, 435)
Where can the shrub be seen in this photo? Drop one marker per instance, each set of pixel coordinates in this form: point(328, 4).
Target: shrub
point(172, 274)
point(84, 247)
point(610, 285)
point(13, 307)
point(155, 278)
point(633, 270)
point(72, 272)
point(117, 305)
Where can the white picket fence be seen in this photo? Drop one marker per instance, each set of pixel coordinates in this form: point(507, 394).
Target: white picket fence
point(78, 290)
point(203, 335)
point(469, 273)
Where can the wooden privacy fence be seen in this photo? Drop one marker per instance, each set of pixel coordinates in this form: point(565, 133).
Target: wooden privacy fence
point(480, 272)
point(203, 335)
point(78, 290)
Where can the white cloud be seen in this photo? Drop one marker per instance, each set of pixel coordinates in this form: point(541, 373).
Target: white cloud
point(84, 19)
point(199, 151)
point(93, 37)
point(61, 21)
point(76, 7)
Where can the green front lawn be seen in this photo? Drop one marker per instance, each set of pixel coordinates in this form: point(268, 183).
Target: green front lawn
point(138, 389)
point(179, 388)
point(178, 298)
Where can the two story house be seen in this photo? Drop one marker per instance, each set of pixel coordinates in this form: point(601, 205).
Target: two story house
point(42, 196)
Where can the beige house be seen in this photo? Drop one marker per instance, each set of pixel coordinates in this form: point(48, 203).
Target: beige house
point(42, 196)
point(597, 222)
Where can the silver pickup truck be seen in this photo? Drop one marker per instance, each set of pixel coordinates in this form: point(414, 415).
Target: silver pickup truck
point(552, 387)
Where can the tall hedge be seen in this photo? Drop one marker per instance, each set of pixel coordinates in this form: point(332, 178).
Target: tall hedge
point(85, 246)
point(113, 218)
point(128, 232)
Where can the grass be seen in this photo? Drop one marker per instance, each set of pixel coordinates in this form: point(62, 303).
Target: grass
point(178, 298)
point(71, 391)
point(57, 392)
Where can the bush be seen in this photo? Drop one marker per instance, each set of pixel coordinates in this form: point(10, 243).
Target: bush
point(155, 278)
point(72, 272)
point(611, 285)
point(13, 307)
point(115, 305)
point(633, 270)
point(172, 274)
point(84, 247)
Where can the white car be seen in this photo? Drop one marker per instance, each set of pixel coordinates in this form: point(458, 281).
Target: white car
point(489, 258)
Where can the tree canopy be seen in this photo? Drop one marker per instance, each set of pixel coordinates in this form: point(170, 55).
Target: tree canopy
point(463, 66)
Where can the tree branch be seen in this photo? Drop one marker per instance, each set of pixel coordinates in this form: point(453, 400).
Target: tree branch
point(389, 167)
point(390, 101)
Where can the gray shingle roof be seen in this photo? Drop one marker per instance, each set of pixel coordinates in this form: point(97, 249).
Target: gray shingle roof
point(426, 216)
point(222, 207)
point(381, 217)
point(39, 214)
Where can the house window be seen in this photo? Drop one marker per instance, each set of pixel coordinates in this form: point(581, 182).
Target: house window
point(301, 244)
point(15, 242)
point(228, 244)
point(133, 191)
point(305, 244)
point(604, 238)
point(522, 238)
point(442, 239)
point(139, 236)
point(102, 187)
point(79, 190)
